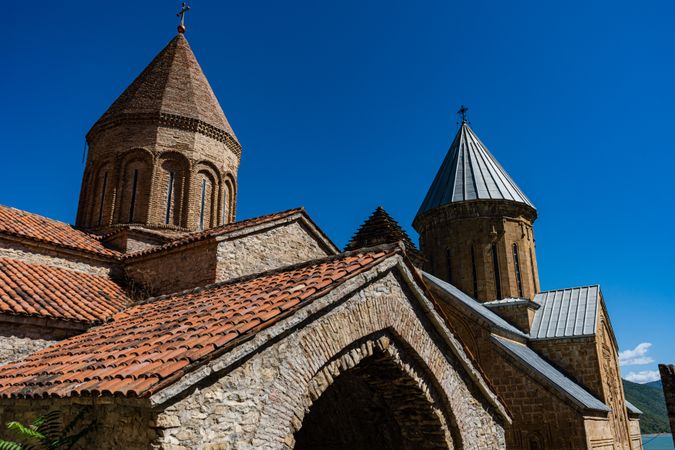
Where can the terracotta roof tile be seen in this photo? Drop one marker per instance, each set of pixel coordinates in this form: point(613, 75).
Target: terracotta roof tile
point(45, 291)
point(150, 345)
point(16, 222)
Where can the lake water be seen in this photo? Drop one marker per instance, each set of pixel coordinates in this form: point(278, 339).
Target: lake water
point(657, 442)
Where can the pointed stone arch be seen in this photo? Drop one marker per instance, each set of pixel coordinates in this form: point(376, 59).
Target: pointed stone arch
point(435, 361)
point(134, 180)
point(374, 394)
point(229, 198)
point(259, 394)
point(101, 198)
point(172, 189)
point(209, 180)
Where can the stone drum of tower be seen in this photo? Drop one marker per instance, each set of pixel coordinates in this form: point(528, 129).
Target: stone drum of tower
point(475, 225)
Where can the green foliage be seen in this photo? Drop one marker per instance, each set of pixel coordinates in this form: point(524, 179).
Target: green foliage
point(649, 398)
point(46, 433)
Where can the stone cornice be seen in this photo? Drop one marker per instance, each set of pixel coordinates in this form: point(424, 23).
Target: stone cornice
point(168, 121)
point(472, 209)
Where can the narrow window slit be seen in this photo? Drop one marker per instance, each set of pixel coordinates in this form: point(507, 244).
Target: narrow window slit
point(498, 281)
point(132, 206)
point(103, 189)
point(169, 199)
point(201, 210)
point(516, 264)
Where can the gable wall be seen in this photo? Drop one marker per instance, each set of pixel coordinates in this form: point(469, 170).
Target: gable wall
point(538, 413)
point(176, 270)
point(610, 374)
point(13, 347)
point(262, 402)
point(577, 358)
point(34, 253)
point(268, 249)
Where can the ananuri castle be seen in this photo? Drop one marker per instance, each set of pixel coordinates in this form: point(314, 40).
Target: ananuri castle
point(175, 326)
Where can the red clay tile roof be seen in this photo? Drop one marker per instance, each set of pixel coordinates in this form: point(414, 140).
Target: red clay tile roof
point(151, 345)
point(16, 222)
point(221, 230)
point(44, 291)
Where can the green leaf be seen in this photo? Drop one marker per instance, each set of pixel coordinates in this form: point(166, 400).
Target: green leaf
point(25, 431)
point(8, 445)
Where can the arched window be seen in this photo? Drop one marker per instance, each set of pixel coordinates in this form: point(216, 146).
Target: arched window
point(132, 193)
point(495, 264)
point(173, 173)
point(169, 197)
point(208, 199)
point(134, 189)
point(104, 187)
point(223, 214)
point(202, 205)
point(473, 273)
point(516, 265)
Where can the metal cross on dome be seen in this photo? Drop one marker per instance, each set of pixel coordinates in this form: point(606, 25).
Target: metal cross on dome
point(184, 8)
point(462, 113)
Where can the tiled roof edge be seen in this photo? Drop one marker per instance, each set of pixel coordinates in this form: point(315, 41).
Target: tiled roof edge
point(107, 253)
point(184, 380)
point(112, 256)
point(188, 376)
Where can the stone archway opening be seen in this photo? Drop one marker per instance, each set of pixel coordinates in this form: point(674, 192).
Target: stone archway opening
point(373, 405)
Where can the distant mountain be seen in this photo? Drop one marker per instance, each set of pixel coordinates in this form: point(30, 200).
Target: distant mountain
point(649, 398)
point(656, 384)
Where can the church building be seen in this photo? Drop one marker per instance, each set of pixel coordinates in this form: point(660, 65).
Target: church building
point(174, 326)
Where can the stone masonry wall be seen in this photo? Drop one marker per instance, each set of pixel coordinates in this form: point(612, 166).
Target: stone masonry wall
point(540, 416)
point(262, 402)
point(117, 151)
point(457, 241)
point(33, 254)
point(121, 423)
point(175, 270)
point(577, 358)
point(209, 261)
point(613, 393)
point(266, 250)
point(13, 348)
point(635, 434)
point(21, 336)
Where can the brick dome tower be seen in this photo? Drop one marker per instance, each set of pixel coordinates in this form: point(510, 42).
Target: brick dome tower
point(475, 225)
point(163, 155)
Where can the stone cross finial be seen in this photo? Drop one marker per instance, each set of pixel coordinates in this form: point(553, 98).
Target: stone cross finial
point(462, 112)
point(184, 8)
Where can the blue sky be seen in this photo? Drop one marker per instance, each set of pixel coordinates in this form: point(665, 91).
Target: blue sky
point(344, 106)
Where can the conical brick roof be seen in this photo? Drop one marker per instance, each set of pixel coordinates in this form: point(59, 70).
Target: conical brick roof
point(470, 172)
point(380, 228)
point(173, 84)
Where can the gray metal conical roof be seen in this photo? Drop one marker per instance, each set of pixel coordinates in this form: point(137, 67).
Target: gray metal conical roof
point(470, 172)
